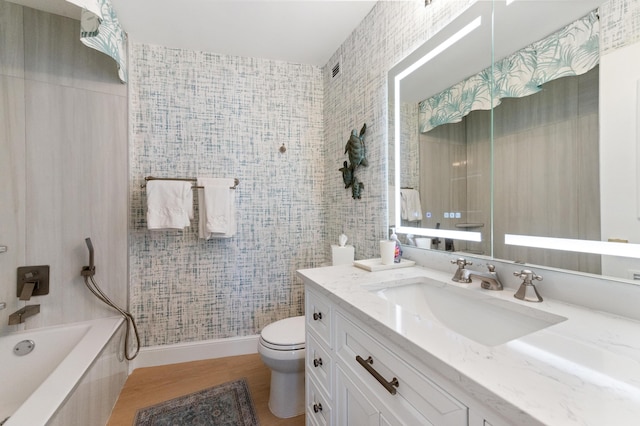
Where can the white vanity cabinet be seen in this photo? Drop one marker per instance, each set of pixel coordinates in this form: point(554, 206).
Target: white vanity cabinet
point(347, 386)
point(319, 362)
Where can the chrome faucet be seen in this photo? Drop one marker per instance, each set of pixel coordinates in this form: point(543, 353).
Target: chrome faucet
point(458, 275)
point(490, 280)
point(527, 290)
point(20, 315)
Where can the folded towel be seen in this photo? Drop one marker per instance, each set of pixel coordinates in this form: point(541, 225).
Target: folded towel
point(410, 206)
point(216, 204)
point(169, 204)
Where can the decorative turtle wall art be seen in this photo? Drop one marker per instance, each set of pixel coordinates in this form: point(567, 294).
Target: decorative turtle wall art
point(356, 189)
point(347, 175)
point(356, 151)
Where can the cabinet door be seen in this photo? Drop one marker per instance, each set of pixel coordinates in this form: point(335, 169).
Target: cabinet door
point(319, 364)
point(319, 410)
point(318, 317)
point(352, 406)
point(415, 399)
point(357, 404)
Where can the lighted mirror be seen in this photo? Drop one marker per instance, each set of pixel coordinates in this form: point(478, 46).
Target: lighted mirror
point(487, 160)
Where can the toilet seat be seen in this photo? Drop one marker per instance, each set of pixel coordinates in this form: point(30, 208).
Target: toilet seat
point(284, 335)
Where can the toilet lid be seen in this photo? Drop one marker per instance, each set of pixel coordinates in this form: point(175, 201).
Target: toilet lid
point(286, 332)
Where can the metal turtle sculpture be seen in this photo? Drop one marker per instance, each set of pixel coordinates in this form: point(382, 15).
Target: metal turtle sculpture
point(356, 149)
point(356, 188)
point(347, 175)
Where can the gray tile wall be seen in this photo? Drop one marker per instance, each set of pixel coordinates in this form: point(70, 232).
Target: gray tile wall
point(63, 163)
point(63, 168)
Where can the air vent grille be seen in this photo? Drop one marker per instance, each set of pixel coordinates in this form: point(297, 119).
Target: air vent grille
point(335, 71)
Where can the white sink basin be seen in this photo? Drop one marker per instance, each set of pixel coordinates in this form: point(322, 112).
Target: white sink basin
point(479, 317)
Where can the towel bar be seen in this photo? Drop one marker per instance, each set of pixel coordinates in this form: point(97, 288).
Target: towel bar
point(236, 181)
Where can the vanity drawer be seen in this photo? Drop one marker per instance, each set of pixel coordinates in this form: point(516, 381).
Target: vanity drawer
point(318, 410)
point(413, 389)
point(319, 364)
point(318, 317)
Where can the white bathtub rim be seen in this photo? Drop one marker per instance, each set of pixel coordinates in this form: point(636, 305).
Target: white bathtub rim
point(50, 396)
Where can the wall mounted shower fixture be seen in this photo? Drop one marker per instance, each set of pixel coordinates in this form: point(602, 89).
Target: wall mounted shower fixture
point(32, 281)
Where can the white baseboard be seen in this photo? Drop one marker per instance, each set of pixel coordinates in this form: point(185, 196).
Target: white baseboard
point(194, 351)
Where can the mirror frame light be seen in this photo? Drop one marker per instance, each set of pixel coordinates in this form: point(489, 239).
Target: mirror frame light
point(584, 246)
point(568, 244)
point(442, 233)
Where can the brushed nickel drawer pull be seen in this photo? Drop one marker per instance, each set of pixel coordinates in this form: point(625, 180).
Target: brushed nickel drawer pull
point(317, 407)
point(317, 316)
point(317, 362)
point(389, 386)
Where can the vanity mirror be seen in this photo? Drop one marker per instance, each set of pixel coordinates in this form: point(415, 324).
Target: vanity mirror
point(520, 178)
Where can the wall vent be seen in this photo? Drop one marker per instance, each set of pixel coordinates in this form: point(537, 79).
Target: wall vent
point(335, 71)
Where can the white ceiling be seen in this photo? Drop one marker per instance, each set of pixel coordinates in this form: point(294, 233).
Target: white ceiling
point(296, 31)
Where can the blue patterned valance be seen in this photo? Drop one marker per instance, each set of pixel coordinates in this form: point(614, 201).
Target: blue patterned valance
point(573, 50)
point(101, 30)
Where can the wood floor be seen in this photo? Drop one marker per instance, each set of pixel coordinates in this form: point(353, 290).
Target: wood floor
point(151, 385)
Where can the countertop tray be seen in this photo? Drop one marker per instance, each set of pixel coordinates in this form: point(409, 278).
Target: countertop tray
point(374, 265)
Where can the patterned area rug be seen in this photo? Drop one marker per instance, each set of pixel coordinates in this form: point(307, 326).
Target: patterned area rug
point(226, 404)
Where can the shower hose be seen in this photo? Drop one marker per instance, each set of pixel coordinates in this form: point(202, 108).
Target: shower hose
point(131, 323)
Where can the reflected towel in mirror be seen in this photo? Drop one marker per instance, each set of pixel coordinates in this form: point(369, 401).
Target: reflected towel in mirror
point(410, 206)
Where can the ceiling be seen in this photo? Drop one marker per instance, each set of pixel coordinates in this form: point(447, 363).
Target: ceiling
point(296, 31)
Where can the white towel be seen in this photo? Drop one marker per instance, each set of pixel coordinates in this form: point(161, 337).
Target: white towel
point(217, 211)
point(410, 206)
point(169, 204)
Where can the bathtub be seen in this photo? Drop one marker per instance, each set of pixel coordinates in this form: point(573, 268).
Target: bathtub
point(36, 386)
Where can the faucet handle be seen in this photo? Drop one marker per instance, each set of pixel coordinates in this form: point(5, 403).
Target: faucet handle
point(528, 276)
point(491, 268)
point(458, 276)
point(527, 290)
point(461, 262)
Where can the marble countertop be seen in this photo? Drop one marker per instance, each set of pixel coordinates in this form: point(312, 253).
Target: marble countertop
point(582, 371)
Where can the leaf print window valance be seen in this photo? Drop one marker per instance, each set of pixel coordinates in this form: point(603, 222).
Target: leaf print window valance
point(573, 50)
point(100, 29)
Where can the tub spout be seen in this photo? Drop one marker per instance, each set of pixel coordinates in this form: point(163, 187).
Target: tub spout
point(20, 315)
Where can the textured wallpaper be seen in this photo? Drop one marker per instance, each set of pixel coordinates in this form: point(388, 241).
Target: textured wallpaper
point(359, 95)
point(200, 114)
point(391, 31)
point(620, 24)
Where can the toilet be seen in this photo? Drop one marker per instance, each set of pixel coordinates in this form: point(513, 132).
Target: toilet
point(282, 349)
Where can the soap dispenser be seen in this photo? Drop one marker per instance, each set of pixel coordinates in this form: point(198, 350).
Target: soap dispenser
point(397, 257)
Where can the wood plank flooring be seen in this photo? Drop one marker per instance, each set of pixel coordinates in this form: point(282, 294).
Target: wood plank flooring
point(151, 385)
